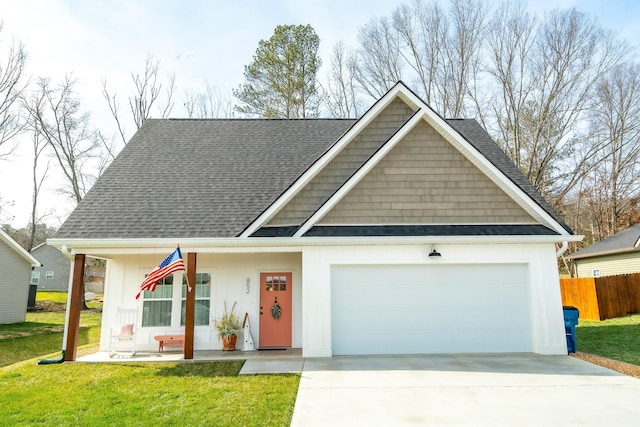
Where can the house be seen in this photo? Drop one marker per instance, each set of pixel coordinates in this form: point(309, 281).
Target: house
point(618, 254)
point(53, 275)
point(399, 232)
point(15, 268)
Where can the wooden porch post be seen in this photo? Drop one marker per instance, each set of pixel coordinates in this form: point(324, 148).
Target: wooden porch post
point(190, 306)
point(74, 308)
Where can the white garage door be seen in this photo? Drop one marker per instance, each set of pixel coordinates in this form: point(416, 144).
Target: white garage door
point(409, 309)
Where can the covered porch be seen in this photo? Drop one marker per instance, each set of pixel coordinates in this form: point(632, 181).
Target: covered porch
point(235, 275)
point(257, 361)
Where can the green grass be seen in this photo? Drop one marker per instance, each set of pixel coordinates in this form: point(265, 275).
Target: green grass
point(617, 338)
point(42, 333)
point(135, 394)
point(144, 394)
point(60, 297)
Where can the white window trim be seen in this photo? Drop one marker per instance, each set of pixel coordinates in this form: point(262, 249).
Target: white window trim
point(176, 302)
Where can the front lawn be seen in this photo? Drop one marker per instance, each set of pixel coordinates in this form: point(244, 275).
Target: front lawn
point(107, 394)
point(617, 338)
point(144, 394)
point(42, 333)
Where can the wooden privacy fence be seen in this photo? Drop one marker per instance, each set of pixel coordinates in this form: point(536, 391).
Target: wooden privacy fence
point(602, 297)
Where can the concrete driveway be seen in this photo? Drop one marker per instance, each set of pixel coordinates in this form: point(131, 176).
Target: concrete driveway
point(475, 390)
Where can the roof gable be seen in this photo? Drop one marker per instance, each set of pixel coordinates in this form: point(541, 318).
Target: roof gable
point(424, 180)
point(485, 156)
point(336, 172)
point(14, 246)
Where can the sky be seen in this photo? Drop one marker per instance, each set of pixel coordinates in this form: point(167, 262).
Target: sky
point(199, 41)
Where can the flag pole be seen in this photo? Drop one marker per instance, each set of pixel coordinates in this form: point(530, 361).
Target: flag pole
point(186, 276)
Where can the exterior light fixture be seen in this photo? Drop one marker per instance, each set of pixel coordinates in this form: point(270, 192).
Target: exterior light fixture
point(434, 253)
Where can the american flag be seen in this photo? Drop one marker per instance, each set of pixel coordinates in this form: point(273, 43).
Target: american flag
point(168, 266)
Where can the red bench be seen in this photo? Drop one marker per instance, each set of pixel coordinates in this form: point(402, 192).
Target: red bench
point(169, 341)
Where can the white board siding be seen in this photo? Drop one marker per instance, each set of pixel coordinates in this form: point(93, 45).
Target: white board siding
point(15, 273)
point(545, 305)
point(430, 309)
point(235, 278)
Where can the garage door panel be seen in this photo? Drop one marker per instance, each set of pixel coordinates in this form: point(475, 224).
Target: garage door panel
point(430, 309)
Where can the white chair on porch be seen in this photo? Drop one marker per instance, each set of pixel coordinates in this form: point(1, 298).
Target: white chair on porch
point(124, 331)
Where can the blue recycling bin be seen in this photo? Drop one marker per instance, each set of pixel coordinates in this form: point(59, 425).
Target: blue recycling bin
point(571, 316)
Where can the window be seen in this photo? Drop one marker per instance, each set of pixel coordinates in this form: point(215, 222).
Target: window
point(35, 277)
point(49, 275)
point(596, 273)
point(276, 283)
point(167, 305)
point(156, 310)
point(203, 299)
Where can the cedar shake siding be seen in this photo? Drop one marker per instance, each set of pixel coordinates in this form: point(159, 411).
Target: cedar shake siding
point(350, 159)
point(425, 180)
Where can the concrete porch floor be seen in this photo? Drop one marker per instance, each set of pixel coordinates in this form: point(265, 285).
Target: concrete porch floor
point(257, 361)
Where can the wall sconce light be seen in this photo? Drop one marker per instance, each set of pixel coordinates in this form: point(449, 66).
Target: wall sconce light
point(434, 253)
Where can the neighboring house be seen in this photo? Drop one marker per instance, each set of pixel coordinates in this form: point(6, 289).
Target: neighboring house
point(55, 271)
point(53, 275)
point(618, 254)
point(336, 221)
point(15, 268)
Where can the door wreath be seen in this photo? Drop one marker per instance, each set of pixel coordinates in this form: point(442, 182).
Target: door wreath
point(276, 310)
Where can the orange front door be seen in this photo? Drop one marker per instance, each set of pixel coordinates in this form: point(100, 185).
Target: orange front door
point(275, 310)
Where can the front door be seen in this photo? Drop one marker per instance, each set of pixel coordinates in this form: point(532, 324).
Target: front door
point(275, 310)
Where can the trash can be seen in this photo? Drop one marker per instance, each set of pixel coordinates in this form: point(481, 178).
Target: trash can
point(571, 315)
point(31, 302)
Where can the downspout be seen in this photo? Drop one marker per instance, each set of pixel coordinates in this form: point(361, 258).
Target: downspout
point(67, 254)
point(562, 249)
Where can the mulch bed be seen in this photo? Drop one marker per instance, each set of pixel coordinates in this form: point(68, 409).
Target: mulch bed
point(615, 365)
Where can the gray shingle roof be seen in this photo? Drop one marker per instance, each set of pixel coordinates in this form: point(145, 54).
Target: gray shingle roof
point(183, 178)
point(624, 241)
point(198, 178)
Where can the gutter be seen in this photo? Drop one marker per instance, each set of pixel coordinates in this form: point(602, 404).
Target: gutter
point(259, 244)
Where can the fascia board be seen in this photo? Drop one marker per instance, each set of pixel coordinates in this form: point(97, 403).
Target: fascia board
point(19, 249)
point(360, 173)
point(106, 247)
point(329, 155)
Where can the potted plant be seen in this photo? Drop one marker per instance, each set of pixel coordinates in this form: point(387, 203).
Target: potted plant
point(228, 327)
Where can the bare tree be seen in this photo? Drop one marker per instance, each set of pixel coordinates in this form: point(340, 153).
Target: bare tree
point(439, 51)
point(5, 215)
point(147, 94)
point(613, 184)
point(423, 32)
point(379, 64)
point(12, 84)
point(462, 51)
point(209, 104)
point(56, 114)
point(343, 99)
point(546, 72)
point(510, 39)
point(39, 145)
